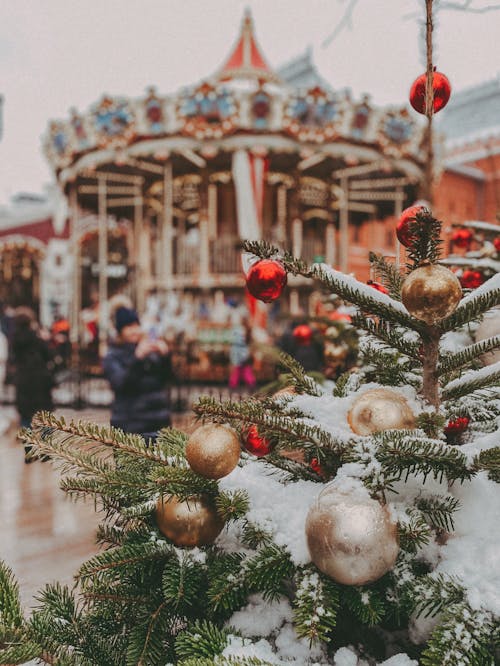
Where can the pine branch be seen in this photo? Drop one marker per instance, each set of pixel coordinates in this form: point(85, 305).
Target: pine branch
point(414, 532)
point(183, 482)
point(225, 661)
point(365, 297)
point(474, 305)
point(475, 380)
point(402, 452)
point(389, 274)
point(489, 460)
point(462, 626)
point(367, 605)
point(255, 536)
point(201, 639)
point(262, 249)
point(147, 639)
point(11, 613)
point(232, 505)
point(183, 583)
point(113, 562)
point(425, 233)
point(439, 510)
point(21, 651)
point(302, 382)
point(268, 571)
point(393, 337)
point(288, 432)
point(429, 595)
point(315, 605)
point(51, 428)
point(464, 357)
point(228, 589)
point(341, 389)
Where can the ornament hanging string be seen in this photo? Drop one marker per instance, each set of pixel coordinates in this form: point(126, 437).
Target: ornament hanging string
point(429, 103)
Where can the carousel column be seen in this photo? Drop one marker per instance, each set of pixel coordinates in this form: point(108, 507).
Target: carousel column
point(344, 225)
point(103, 265)
point(166, 232)
point(204, 233)
point(76, 278)
point(141, 258)
point(398, 209)
point(281, 214)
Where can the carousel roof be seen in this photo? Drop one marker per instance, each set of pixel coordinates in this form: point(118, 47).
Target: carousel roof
point(246, 59)
point(303, 117)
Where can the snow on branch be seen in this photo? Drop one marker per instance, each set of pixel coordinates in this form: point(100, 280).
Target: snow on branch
point(475, 304)
point(365, 297)
point(471, 381)
point(452, 362)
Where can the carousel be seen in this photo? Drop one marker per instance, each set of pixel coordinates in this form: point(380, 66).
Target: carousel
point(162, 189)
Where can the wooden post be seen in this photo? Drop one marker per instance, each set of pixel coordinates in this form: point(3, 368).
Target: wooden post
point(166, 258)
point(139, 252)
point(330, 244)
point(103, 266)
point(204, 232)
point(344, 225)
point(74, 243)
point(281, 214)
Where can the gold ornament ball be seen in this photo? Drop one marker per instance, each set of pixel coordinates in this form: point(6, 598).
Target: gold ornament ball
point(380, 409)
point(489, 328)
point(431, 293)
point(351, 538)
point(213, 451)
point(194, 522)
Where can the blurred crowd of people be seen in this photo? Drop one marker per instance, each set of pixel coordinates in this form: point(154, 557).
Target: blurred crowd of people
point(139, 363)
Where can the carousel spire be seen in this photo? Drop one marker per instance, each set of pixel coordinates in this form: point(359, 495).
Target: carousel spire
point(246, 60)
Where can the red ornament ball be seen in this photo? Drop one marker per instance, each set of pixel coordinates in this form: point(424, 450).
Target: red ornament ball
point(266, 279)
point(496, 243)
point(471, 279)
point(462, 238)
point(255, 444)
point(378, 286)
point(403, 226)
point(316, 467)
point(441, 92)
point(457, 426)
point(302, 334)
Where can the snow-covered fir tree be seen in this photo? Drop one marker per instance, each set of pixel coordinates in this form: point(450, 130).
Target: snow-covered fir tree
point(357, 525)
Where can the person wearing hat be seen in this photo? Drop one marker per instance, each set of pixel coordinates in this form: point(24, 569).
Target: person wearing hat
point(138, 369)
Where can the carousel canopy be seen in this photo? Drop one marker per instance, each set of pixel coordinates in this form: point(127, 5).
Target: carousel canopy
point(216, 117)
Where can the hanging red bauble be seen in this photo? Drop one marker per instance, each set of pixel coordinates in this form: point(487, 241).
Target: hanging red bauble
point(340, 316)
point(403, 226)
point(316, 467)
point(462, 238)
point(471, 279)
point(266, 279)
point(457, 426)
point(255, 444)
point(441, 92)
point(496, 243)
point(302, 334)
point(378, 286)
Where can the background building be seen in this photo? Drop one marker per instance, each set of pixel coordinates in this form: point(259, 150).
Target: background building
point(162, 189)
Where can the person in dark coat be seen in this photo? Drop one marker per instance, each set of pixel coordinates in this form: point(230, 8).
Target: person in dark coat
point(138, 369)
point(33, 371)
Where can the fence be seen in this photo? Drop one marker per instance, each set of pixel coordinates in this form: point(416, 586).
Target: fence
point(83, 392)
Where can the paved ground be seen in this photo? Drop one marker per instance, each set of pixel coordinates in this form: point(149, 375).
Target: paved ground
point(44, 535)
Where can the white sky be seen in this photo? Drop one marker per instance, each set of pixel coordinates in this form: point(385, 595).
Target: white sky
point(55, 54)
